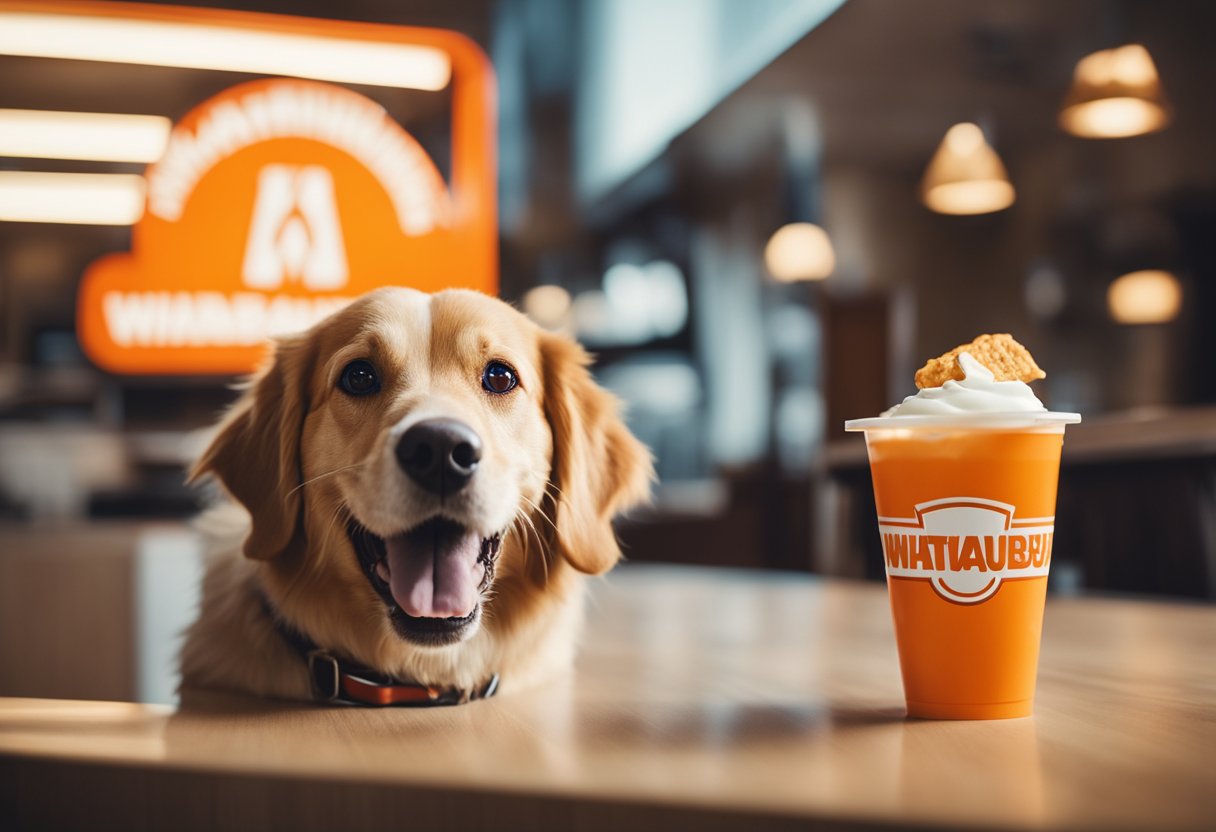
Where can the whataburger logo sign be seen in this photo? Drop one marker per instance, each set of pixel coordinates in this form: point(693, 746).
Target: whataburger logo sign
point(966, 547)
point(276, 203)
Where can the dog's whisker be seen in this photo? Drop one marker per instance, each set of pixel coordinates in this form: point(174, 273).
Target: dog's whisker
point(535, 533)
point(338, 522)
point(544, 553)
point(540, 545)
point(539, 511)
point(326, 474)
point(551, 486)
point(314, 567)
point(516, 526)
point(524, 522)
point(299, 578)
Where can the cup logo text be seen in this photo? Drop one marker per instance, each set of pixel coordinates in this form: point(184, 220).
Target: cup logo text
point(966, 547)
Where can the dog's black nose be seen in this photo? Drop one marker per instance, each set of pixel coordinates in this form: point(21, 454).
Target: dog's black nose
point(441, 455)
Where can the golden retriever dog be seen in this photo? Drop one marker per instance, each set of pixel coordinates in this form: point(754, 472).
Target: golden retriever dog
point(428, 480)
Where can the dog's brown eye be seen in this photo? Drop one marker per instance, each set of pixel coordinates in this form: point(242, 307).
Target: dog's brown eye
point(360, 379)
point(499, 378)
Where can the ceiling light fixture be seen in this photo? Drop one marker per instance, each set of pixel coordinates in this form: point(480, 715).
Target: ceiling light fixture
point(799, 251)
point(1151, 296)
point(100, 137)
point(1115, 93)
point(225, 48)
point(965, 175)
point(76, 198)
point(548, 306)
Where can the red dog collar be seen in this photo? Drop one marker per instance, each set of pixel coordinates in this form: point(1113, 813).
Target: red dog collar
point(334, 680)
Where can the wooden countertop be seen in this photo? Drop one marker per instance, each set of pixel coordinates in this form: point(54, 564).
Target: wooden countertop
point(703, 699)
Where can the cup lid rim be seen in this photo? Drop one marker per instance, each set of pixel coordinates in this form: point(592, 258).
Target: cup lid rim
point(1013, 419)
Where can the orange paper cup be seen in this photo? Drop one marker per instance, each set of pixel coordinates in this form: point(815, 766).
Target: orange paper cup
point(966, 513)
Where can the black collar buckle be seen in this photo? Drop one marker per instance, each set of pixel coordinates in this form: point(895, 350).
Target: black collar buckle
point(325, 675)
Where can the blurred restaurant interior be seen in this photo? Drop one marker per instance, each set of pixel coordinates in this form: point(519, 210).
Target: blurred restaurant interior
point(761, 217)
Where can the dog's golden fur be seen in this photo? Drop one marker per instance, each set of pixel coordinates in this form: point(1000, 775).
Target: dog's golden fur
point(301, 457)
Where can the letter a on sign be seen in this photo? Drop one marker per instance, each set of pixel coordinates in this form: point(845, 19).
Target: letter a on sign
point(295, 232)
point(278, 201)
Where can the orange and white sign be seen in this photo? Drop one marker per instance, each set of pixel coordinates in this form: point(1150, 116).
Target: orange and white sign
point(278, 201)
point(966, 547)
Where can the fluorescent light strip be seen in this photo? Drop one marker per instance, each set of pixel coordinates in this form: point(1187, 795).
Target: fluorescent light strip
point(76, 198)
point(101, 137)
point(230, 49)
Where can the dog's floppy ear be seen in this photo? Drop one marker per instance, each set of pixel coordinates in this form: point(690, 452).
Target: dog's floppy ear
point(598, 467)
point(256, 454)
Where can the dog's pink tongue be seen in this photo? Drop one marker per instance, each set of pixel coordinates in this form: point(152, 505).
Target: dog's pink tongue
point(434, 571)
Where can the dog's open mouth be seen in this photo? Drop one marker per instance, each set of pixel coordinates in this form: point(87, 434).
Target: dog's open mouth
point(430, 577)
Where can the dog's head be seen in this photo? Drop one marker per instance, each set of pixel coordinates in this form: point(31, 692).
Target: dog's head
point(410, 454)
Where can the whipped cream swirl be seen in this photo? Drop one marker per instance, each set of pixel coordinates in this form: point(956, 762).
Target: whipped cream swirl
point(979, 392)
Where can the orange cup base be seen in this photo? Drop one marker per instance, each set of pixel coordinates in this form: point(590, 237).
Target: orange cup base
point(955, 710)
